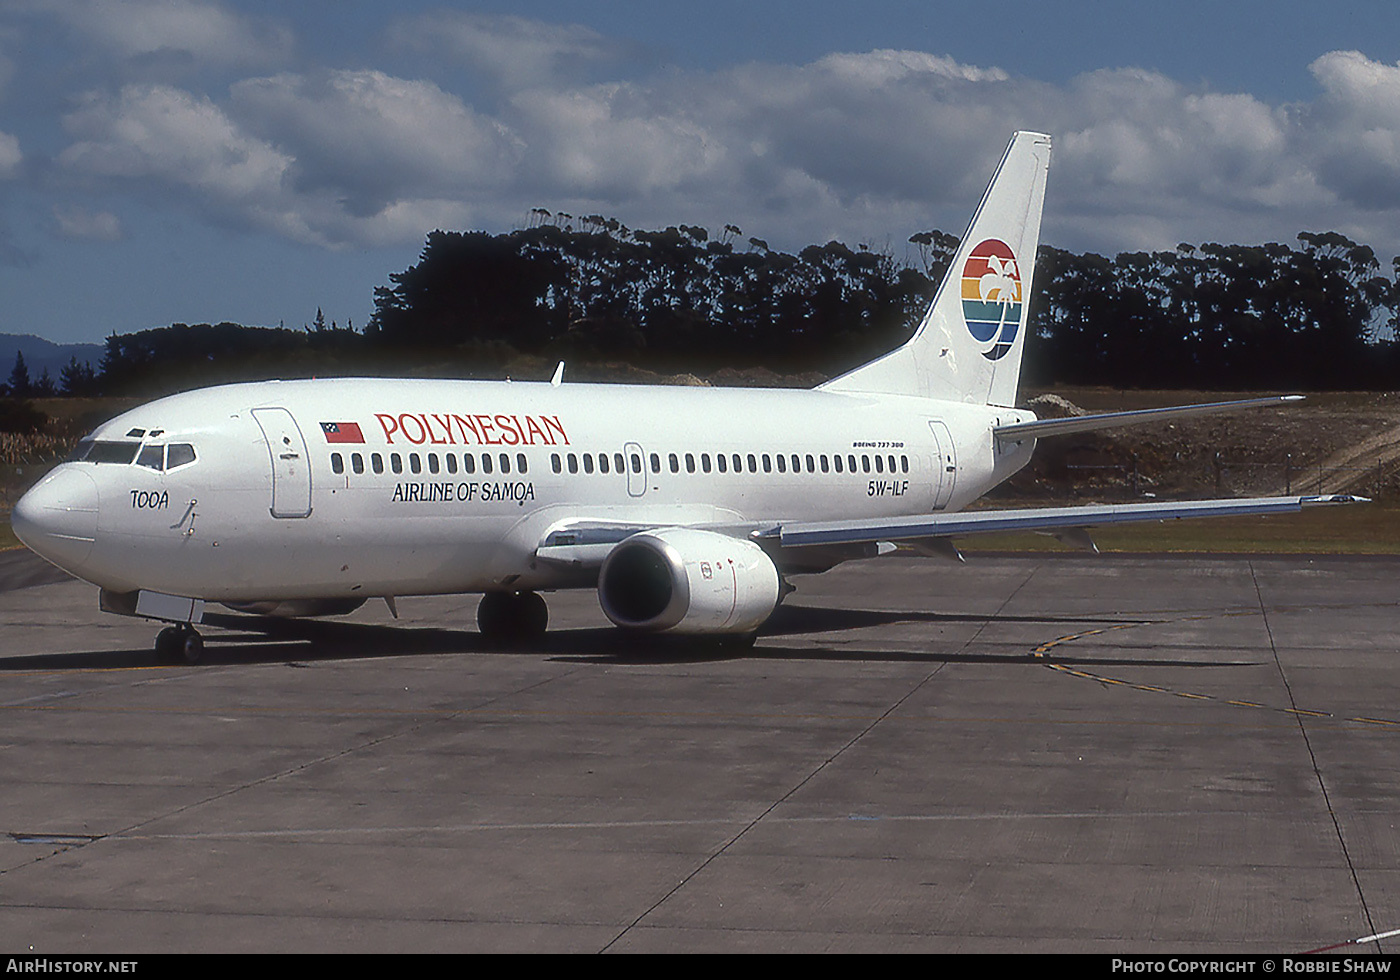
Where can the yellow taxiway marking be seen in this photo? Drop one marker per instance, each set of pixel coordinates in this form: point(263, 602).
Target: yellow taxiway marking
point(1043, 649)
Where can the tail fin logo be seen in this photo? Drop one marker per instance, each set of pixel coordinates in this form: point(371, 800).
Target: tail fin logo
point(991, 296)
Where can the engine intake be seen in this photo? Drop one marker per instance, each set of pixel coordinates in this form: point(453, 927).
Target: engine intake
point(688, 581)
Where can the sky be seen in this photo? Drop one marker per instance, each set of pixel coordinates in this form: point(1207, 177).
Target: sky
point(194, 161)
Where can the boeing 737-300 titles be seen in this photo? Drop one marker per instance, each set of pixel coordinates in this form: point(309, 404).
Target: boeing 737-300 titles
point(685, 508)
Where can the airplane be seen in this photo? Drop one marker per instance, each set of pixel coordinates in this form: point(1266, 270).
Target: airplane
point(687, 508)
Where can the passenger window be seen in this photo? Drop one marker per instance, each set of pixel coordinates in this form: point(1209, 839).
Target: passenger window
point(879, 465)
point(178, 454)
point(837, 461)
point(337, 464)
point(636, 463)
point(376, 463)
point(588, 462)
point(396, 462)
point(865, 463)
point(602, 462)
point(851, 463)
point(675, 463)
point(357, 462)
point(451, 461)
point(556, 463)
point(753, 463)
point(415, 463)
point(151, 457)
point(720, 459)
point(705, 462)
point(782, 463)
point(432, 463)
point(468, 463)
point(486, 462)
point(520, 466)
point(826, 468)
point(505, 462)
point(573, 463)
point(690, 462)
point(767, 463)
point(904, 464)
point(655, 463)
point(619, 464)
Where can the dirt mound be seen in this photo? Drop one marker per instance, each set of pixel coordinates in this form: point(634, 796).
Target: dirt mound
point(1329, 443)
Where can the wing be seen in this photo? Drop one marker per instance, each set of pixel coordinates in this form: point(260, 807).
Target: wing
point(814, 533)
point(1042, 428)
point(584, 544)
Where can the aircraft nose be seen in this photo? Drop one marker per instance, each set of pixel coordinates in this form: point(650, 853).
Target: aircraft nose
point(57, 518)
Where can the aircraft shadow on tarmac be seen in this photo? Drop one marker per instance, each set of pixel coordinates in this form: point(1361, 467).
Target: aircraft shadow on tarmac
point(265, 639)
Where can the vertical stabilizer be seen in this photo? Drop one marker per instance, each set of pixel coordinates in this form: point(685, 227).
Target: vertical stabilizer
point(968, 347)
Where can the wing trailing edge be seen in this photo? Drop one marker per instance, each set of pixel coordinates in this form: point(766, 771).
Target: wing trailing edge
point(810, 533)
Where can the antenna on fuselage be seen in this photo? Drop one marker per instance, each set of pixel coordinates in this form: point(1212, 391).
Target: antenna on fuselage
point(558, 375)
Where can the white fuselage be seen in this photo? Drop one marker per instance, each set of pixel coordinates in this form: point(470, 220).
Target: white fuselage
point(456, 484)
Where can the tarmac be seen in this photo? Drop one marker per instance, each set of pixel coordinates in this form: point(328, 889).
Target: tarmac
point(1044, 753)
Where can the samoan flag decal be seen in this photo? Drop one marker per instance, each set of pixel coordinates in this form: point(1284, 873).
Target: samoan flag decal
point(342, 432)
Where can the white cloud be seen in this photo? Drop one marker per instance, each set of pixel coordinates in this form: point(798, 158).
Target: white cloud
point(10, 156)
point(517, 52)
point(1355, 128)
point(863, 146)
point(200, 30)
point(375, 138)
point(80, 223)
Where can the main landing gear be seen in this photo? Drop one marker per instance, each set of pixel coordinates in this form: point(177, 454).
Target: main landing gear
point(512, 617)
point(179, 644)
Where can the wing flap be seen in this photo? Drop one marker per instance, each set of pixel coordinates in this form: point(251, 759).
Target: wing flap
point(808, 533)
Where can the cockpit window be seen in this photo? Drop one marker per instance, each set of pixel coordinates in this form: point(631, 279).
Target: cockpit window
point(155, 457)
point(179, 454)
point(111, 452)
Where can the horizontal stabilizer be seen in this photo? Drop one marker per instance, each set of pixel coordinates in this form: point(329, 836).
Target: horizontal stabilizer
point(803, 534)
point(1112, 420)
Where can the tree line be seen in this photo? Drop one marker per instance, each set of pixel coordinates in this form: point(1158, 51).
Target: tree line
point(1321, 313)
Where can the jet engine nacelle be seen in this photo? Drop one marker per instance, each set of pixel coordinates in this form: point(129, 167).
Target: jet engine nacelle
point(688, 581)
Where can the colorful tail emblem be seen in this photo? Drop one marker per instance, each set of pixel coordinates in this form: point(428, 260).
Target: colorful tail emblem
point(991, 296)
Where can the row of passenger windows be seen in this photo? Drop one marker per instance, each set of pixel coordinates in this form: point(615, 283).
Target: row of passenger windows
point(733, 463)
point(618, 463)
point(470, 463)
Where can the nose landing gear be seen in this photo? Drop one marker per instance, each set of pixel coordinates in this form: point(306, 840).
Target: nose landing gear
point(179, 644)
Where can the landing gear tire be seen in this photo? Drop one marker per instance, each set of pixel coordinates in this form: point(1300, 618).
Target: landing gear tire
point(512, 617)
point(179, 644)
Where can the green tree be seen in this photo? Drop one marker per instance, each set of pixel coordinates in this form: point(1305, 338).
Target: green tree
point(19, 385)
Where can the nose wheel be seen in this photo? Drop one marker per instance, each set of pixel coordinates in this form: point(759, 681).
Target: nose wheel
point(179, 644)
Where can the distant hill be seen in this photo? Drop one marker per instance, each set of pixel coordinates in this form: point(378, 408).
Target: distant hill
point(40, 353)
